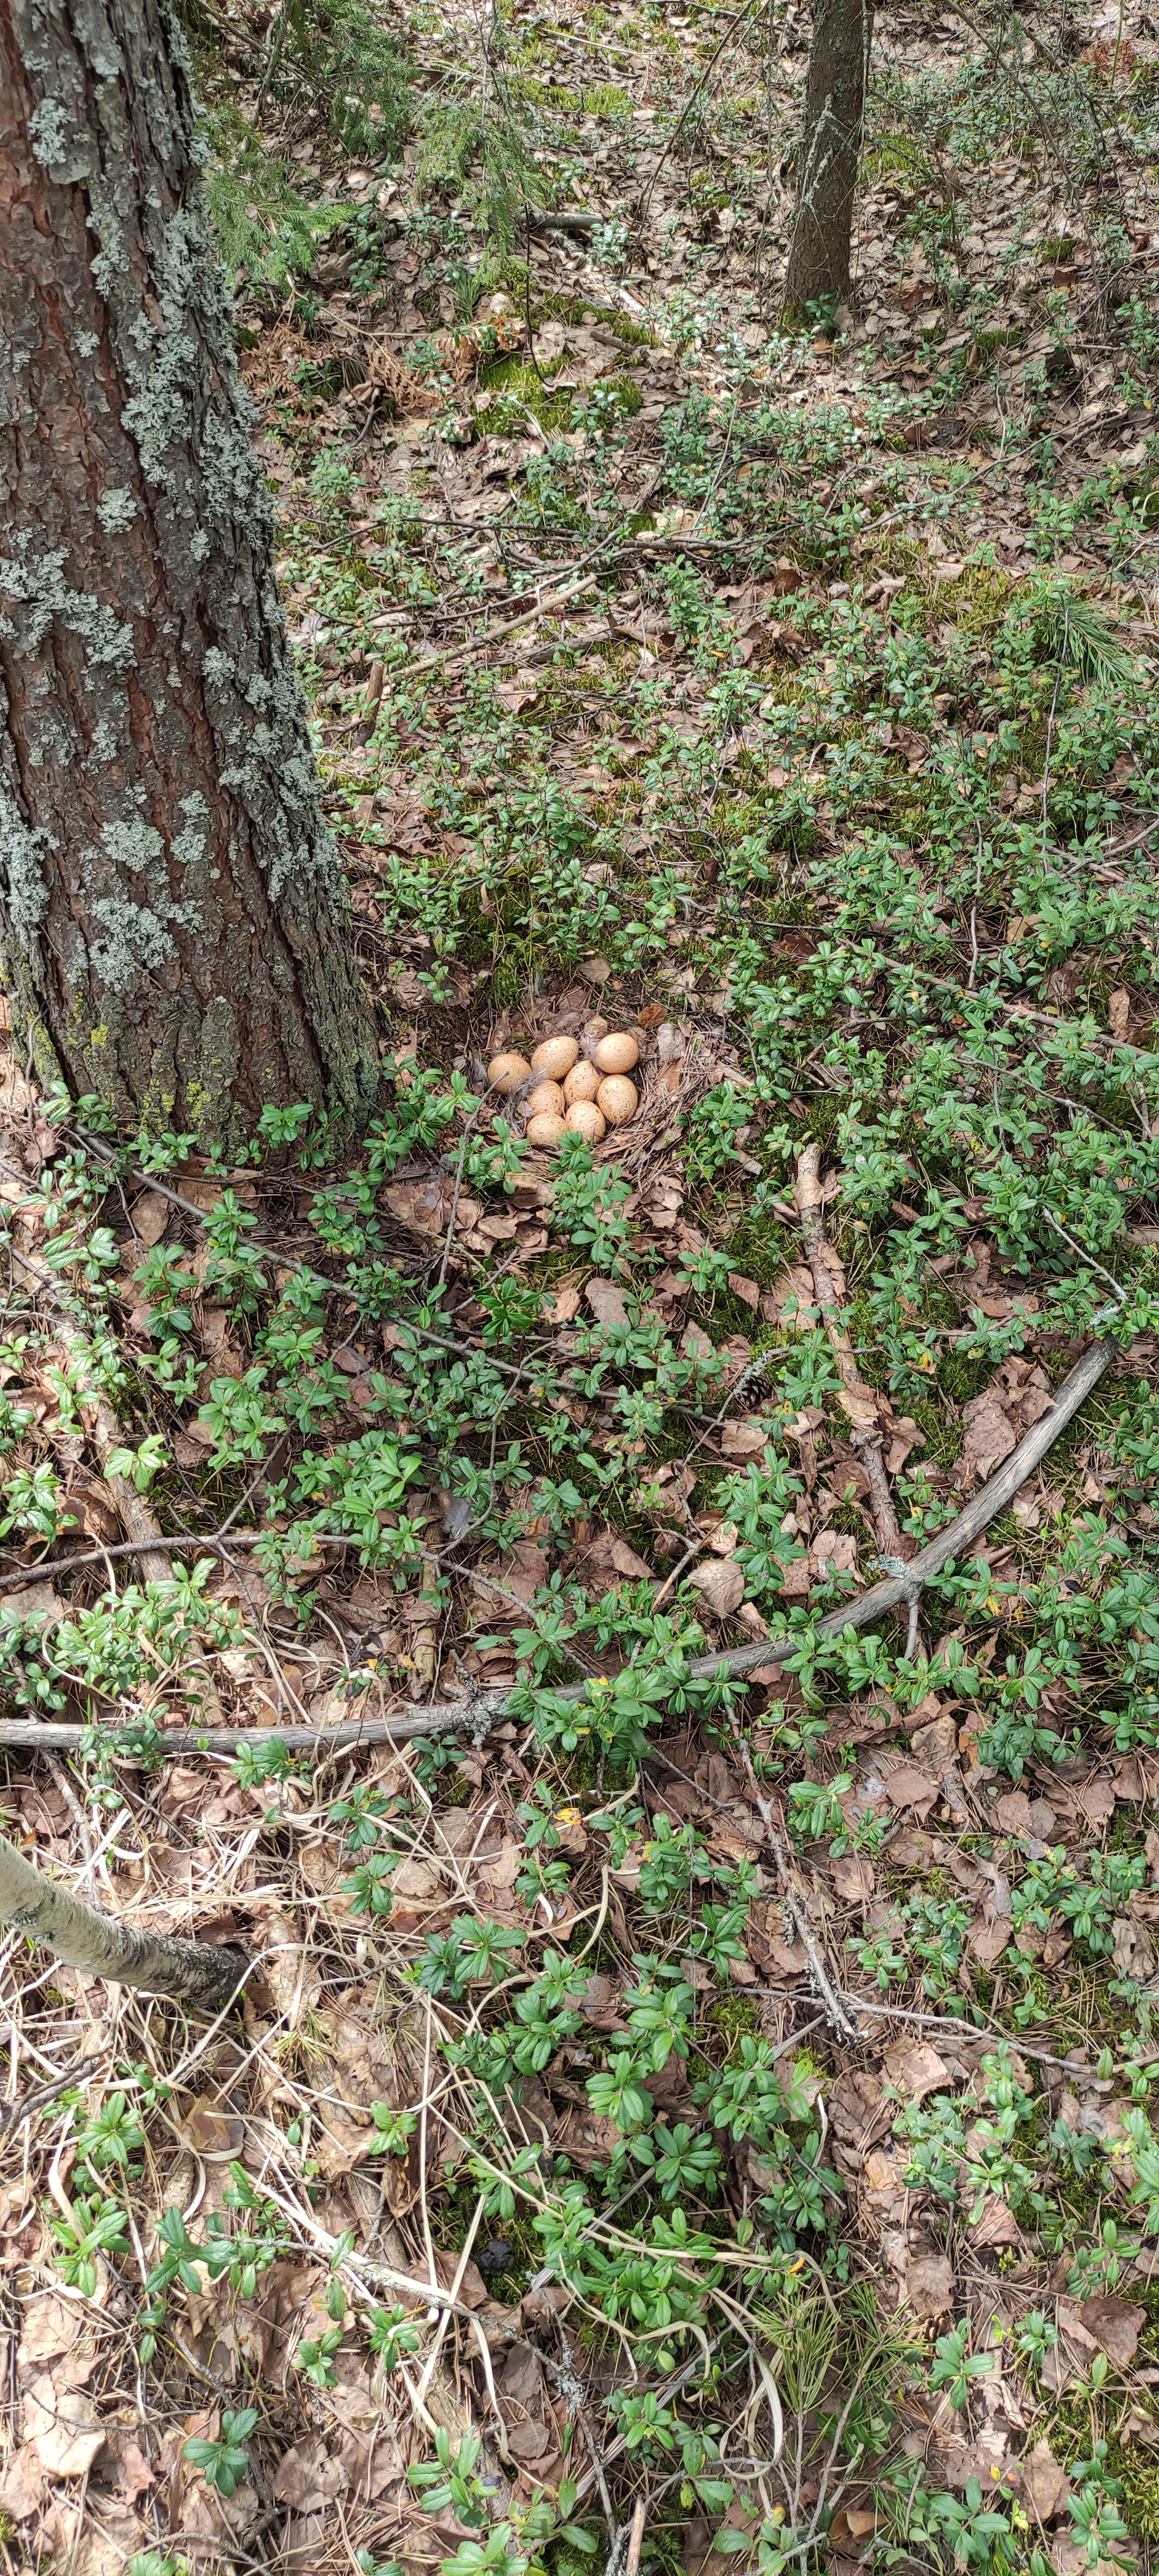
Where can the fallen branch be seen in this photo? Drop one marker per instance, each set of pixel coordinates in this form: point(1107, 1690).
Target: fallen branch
point(19, 1733)
point(621, 2563)
point(480, 1713)
point(454, 657)
point(191, 1972)
point(563, 219)
point(955, 1540)
point(39, 1568)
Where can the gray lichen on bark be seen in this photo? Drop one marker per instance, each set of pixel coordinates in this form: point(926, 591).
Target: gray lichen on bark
point(173, 924)
point(834, 118)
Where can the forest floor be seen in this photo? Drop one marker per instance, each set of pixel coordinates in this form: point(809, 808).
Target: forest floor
point(674, 2114)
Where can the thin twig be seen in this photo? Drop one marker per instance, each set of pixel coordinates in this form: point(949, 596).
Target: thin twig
point(636, 2537)
point(838, 2013)
point(811, 1205)
point(26, 2107)
point(1087, 1258)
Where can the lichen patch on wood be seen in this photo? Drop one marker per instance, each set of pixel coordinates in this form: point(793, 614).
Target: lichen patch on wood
point(173, 928)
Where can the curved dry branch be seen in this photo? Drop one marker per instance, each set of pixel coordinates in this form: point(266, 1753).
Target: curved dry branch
point(475, 1716)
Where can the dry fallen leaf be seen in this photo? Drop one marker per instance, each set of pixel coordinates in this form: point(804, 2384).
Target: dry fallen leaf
point(472, 2289)
point(989, 1438)
point(916, 2069)
point(1012, 1812)
point(508, 1582)
point(416, 1880)
point(1115, 2325)
point(628, 1873)
point(210, 2132)
point(52, 2325)
point(571, 1831)
point(134, 2475)
point(995, 2225)
point(22, 2485)
point(1041, 2481)
point(929, 2283)
point(987, 1940)
point(606, 1302)
point(600, 2001)
point(1097, 1800)
point(861, 1405)
point(910, 1786)
point(833, 1552)
point(743, 1439)
point(307, 2478)
point(63, 2425)
point(501, 1869)
point(1133, 1949)
point(1138, 2424)
point(720, 1582)
point(150, 1215)
point(607, 1553)
point(107, 2538)
point(936, 1744)
point(339, 2146)
point(853, 1878)
point(904, 1435)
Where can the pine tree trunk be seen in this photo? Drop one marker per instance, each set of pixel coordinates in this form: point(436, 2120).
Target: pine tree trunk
point(830, 151)
point(173, 925)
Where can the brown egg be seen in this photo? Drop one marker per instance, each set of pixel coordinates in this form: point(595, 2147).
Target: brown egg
point(618, 1098)
point(555, 1057)
point(546, 1128)
point(504, 1071)
point(546, 1101)
point(582, 1083)
point(617, 1055)
point(596, 1028)
point(585, 1119)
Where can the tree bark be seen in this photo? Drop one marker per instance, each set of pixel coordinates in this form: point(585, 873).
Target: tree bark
point(191, 1972)
point(830, 151)
point(173, 922)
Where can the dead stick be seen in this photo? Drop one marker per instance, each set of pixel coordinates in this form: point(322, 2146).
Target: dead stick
point(38, 1567)
point(837, 2011)
point(955, 1540)
point(811, 1209)
point(636, 2537)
